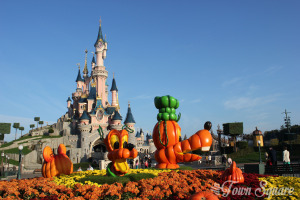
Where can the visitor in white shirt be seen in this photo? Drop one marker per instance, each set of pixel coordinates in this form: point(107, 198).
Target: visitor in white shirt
point(286, 156)
point(90, 168)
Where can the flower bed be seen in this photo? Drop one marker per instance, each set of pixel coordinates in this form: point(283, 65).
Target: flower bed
point(167, 184)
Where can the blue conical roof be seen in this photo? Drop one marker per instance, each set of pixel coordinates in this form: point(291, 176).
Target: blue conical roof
point(129, 116)
point(69, 99)
point(100, 36)
point(93, 60)
point(117, 116)
point(84, 116)
point(93, 93)
point(79, 78)
point(138, 134)
point(114, 85)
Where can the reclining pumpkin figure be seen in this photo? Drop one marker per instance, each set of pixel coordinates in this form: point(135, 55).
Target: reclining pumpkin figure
point(55, 165)
point(118, 151)
point(167, 136)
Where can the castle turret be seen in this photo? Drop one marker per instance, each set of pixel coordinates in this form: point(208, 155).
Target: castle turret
point(116, 121)
point(79, 81)
point(100, 73)
point(114, 91)
point(93, 61)
point(129, 121)
point(69, 102)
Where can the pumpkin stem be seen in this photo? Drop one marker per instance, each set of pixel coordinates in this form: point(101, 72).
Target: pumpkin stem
point(178, 118)
point(165, 127)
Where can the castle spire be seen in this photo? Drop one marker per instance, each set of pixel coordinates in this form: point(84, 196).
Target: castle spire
point(93, 60)
point(100, 35)
point(79, 78)
point(114, 85)
point(129, 116)
point(85, 70)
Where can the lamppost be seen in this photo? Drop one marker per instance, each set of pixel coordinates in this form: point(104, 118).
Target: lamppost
point(7, 163)
point(2, 167)
point(259, 151)
point(20, 160)
point(77, 157)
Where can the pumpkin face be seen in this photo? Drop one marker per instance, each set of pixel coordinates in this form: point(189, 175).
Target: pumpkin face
point(162, 139)
point(118, 151)
point(204, 196)
point(56, 164)
point(233, 174)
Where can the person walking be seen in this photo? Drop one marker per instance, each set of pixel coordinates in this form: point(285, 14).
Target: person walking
point(286, 156)
point(272, 156)
point(146, 163)
point(209, 160)
point(137, 163)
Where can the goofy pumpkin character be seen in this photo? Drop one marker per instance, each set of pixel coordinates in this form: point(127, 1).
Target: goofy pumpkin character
point(167, 136)
point(118, 151)
point(55, 165)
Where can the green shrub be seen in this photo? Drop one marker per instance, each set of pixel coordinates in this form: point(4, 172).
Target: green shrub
point(242, 144)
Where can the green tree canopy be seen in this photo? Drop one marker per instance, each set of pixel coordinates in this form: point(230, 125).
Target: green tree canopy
point(5, 128)
point(16, 125)
point(37, 119)
point(41, 123)
point(21, 129)
point(31, 126)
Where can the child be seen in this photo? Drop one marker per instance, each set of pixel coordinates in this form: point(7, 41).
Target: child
point(137, 164)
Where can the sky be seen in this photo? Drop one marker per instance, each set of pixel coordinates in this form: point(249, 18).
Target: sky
point(225, 61)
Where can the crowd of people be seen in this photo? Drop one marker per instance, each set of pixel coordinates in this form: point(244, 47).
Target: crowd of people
point(271, 157)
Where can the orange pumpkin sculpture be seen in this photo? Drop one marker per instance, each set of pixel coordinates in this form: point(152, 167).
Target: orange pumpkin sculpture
point(233, 174)
point(204, 196)
point(167, 137)
point(56, 164)
point(118, 151)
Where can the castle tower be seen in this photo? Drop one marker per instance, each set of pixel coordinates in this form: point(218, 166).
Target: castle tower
point(93, 61)
point(116, 121)
point(142, 137)
point(100, 73)
point(79, 81)
point(114, 91)
point(257, 136)
point(129, 121)
point(69, 102)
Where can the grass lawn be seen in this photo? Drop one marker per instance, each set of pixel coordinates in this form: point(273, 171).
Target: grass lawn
point(247, 155)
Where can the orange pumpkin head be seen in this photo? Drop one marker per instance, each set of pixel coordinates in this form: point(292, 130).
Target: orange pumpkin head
point(56, 164)
point(204, 196)
point(166, 136)
point(233, 174)
point(119, 150)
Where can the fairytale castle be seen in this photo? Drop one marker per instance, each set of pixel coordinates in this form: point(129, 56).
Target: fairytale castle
point(90, 109)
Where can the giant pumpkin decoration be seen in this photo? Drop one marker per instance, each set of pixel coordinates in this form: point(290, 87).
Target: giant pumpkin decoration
point(56, 164)
point(233, 174)
point(167, 136)
point(204, 196)
point(118, 151)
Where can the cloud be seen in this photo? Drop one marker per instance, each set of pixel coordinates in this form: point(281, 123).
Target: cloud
point(231, 82)
point(249, 102)
point(196, 101)
point(273, 69)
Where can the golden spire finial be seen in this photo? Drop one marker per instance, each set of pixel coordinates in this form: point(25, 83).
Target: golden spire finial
point(78, 64)
point(129, 104)
point(100, 21)
point(93, 53)
point(86, 51)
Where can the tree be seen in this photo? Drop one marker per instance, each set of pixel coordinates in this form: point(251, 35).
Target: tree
point(31, 126)
point(233, 130)
point(4, 129)
point(37, 119)
point(21, 129)
point(41, 123)
point(16, 126)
